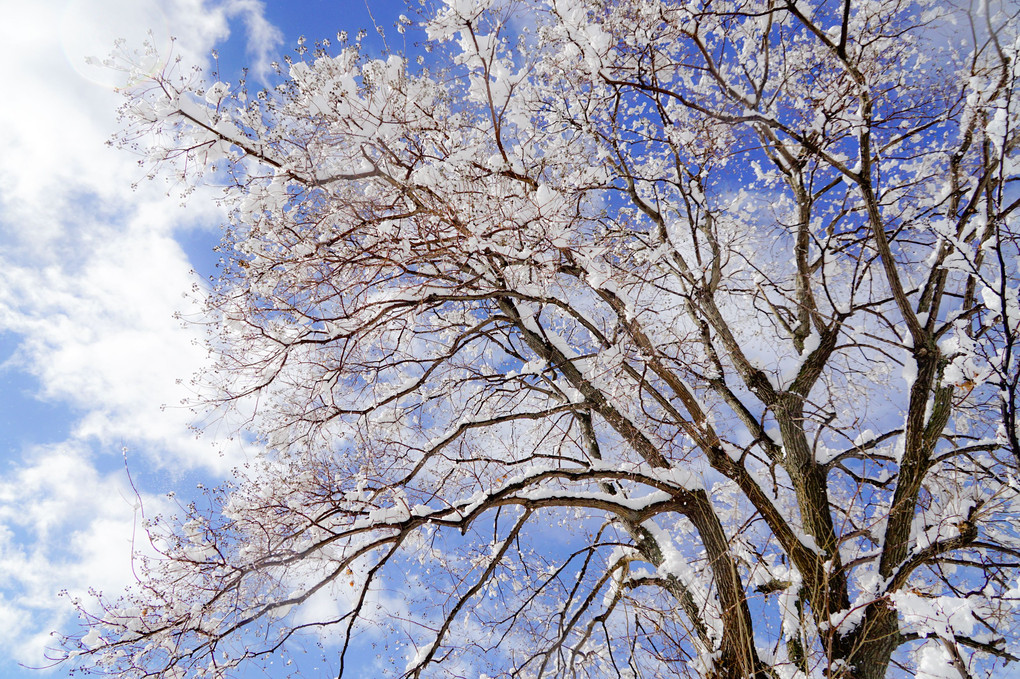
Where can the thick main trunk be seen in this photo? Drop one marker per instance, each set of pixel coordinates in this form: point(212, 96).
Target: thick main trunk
point(826, 590)
point(865, 653)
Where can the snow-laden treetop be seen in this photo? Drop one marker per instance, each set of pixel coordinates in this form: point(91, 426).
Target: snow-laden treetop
point(617, 339)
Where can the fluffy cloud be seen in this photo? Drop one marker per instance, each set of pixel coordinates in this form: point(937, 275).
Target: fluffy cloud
point(91, 274)
point(263, 37)
point(100, 335)
point(63, 525)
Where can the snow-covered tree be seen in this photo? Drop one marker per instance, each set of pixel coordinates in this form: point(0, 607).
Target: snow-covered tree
point(625, 338)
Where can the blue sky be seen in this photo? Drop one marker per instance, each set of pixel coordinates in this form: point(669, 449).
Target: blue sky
point(91, 273)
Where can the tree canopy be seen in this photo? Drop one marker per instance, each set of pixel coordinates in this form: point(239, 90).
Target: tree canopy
point(628, 338)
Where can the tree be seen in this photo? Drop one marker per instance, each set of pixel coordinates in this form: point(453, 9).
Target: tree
point(634, 339)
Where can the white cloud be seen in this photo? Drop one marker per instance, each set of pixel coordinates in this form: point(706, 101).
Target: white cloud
point(264, 39)
point(91, 273)
point(62, 526)
point(99, 334)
